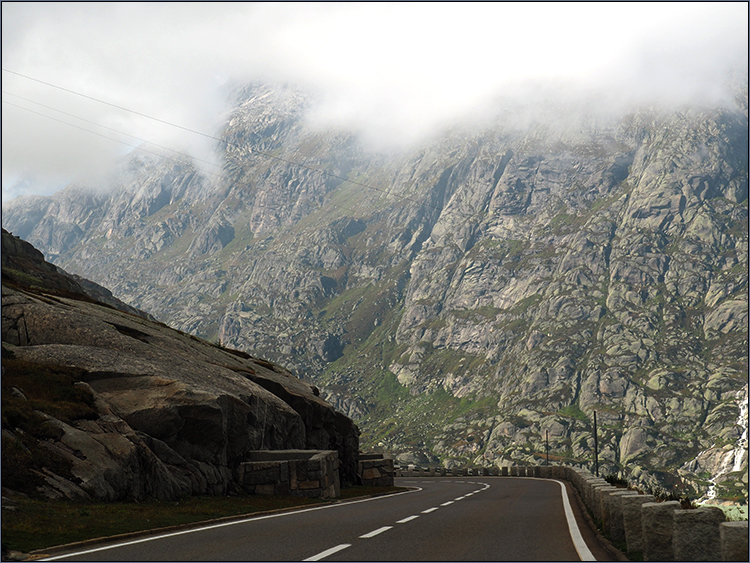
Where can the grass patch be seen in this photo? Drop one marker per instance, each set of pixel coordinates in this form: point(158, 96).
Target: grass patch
point(573, 411)
point(36, 524)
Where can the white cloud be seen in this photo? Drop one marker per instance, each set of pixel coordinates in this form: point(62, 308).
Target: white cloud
point(390, 71)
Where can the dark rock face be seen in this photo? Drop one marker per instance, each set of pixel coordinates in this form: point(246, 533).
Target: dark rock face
point(468, 297)
point(174, 415)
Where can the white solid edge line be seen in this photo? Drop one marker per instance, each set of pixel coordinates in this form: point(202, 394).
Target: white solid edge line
point(327, 552)
point(376, 532)
point(575, 534)
point(222, 525)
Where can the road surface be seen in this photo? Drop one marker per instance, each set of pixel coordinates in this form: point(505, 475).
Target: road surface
point(441, 519)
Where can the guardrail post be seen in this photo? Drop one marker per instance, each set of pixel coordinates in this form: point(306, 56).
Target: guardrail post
point(733, 538)
point(696, 534)
point(599, 492)
point(657, 519)
point(631, 519)
point(616, 523)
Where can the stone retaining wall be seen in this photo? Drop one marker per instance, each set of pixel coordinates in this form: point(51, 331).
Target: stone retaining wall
point(375, 471)
point(635, 523)
point(307, 473)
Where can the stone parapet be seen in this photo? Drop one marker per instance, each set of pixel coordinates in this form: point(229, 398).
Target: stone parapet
point(616, 525)
point(657, 521)
point(733, 537)
point(598, 510)
point(376, 472)
point(696, 534)
point(631, 518)
point(308, 473)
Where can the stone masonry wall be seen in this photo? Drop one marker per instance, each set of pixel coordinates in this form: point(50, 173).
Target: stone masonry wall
point(306, 473)
point(375, 471)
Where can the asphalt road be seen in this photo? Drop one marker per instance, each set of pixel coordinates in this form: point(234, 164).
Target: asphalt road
point(451, 519)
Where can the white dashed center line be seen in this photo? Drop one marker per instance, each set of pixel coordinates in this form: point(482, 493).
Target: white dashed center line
point(376, 532)
point(409, 519)
point(327, 552)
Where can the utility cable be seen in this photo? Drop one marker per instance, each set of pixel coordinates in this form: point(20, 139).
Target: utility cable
point(188, 156)
point(228, 143)
point(138, 147)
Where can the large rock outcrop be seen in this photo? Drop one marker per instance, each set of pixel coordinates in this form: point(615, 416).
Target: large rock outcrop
point(170, 415)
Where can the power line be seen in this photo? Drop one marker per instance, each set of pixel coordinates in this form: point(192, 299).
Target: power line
point(228, 143)
point(138, 147)
point(100, 125)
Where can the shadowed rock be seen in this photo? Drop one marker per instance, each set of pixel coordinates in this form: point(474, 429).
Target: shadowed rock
point(175, 415)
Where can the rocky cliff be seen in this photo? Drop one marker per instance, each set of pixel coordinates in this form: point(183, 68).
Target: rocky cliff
point(464, 300)
point(102, 403)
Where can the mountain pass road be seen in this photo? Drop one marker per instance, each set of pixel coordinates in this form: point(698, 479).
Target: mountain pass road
point(438, 519)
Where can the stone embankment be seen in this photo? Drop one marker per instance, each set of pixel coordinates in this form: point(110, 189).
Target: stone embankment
point(634, 522)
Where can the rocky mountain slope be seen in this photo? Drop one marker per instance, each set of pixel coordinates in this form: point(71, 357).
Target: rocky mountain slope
point(464, 300)
point(101, 403)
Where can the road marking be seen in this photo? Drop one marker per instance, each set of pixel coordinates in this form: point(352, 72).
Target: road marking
point(459, 498)
point(327, 552)
point(376, 532)
point(448, 503)
point(409, 519)
point(575, 534)
point(222, 525)
point(433, 509)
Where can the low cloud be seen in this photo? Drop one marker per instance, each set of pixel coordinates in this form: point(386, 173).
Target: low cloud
point(394, 73)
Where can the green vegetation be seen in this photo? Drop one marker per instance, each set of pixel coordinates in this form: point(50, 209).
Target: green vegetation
point(562, 221)
point(616, 481)
point(36, 524)
point(480, 314)
point(398, 414)
point(735, 513)
point(526, 303)
point(573, 411)
point(22, 278)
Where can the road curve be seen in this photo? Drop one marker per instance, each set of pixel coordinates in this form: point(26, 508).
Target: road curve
point(442, 519)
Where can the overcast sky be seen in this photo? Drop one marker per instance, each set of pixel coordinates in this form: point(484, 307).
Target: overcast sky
point(394, 73)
